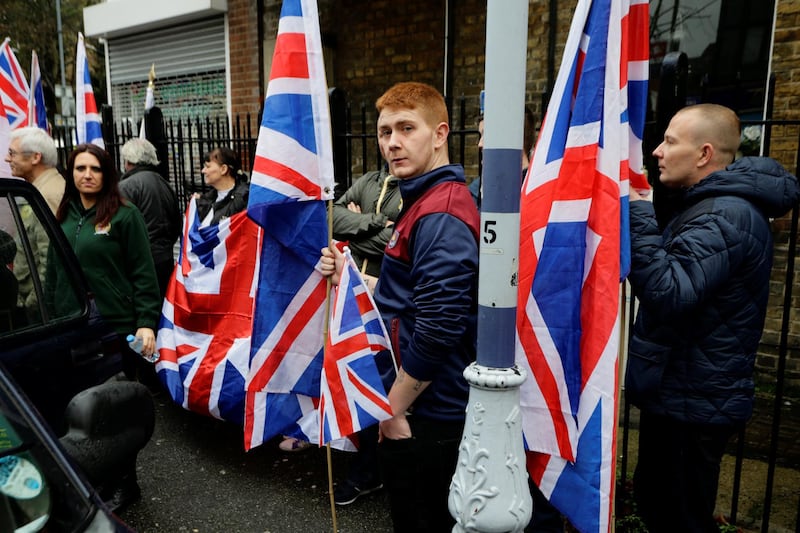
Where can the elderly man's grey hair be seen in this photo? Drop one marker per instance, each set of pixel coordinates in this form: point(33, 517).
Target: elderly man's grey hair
point(36, 141)
point(139, 152)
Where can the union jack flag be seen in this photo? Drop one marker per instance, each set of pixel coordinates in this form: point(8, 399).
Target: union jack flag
point(13, 87)
point(87, 119)
point(352, 396)
point(5, 132)
point(573, 254)
point(206, 321)
point(37, 113)
point(292, 176)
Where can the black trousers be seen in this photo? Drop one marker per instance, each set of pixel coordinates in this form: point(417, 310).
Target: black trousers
point(417, 473)
point(676, 477)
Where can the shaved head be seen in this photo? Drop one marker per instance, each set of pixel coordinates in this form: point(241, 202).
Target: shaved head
point(717, 125)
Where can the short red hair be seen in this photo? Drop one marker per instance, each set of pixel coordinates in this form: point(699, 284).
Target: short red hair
point(415, 96)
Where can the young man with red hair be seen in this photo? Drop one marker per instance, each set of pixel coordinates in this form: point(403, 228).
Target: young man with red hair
point(427, 295)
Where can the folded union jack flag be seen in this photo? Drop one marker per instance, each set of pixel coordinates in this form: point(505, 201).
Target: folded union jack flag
point(353, 396)
point(87, 119)
point(13, 87)
point(37, 112)
point(5, 132)
point(574, 252)
point(206, 322)
point(292, 176)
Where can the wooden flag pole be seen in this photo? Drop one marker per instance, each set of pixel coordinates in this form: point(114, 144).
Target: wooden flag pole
point(325, 327)
point(620, 373)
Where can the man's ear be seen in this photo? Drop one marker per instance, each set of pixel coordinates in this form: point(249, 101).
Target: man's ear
point(442, 130)
point(706, 154)
point(36, 158)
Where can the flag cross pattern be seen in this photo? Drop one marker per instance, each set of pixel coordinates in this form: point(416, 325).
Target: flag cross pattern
point(352, 394)
point(87, 120)
point(206, 323)
point(292, 176)
point(13, 87)
point(573, 253)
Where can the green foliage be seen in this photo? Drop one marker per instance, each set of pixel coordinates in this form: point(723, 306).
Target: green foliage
point(32, 25)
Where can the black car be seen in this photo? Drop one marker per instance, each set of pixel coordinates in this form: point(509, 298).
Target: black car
point(65, 358)
point(40, 490)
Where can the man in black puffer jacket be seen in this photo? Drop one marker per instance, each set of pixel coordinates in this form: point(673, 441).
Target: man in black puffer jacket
point(148, 191)
point(702, 287)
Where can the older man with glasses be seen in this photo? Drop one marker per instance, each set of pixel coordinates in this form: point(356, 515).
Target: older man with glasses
point(32, 156)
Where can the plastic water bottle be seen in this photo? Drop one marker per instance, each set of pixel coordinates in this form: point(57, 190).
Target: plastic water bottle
point(136, 344)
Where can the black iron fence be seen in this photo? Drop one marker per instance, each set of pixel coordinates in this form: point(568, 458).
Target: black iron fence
point(771, 439)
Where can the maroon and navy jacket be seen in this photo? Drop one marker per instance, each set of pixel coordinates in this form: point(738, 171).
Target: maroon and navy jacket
point(428, 287)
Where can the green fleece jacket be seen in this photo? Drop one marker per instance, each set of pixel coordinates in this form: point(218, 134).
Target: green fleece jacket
point(118, 266)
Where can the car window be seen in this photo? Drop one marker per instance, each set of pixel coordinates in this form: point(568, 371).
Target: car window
point(36, 492)
point(35, 288)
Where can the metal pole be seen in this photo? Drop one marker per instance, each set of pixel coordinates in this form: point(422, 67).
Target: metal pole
point(60, 44)
point(490, 488)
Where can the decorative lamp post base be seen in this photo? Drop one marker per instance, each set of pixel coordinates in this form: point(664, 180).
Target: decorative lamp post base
point(489, 491)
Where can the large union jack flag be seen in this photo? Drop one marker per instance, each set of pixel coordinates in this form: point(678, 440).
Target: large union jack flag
point(87, 119)
point(206, 322)
point(352, 393)
point(292, 176)
point(573, 254)
point(13, 87)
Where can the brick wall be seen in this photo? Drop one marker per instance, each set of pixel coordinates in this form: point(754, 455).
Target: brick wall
point(376, 44)
point(784, 148)
point(244, 63)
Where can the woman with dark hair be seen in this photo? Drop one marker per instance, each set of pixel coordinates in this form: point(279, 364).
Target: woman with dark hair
point(109, 237)
point(228, 195)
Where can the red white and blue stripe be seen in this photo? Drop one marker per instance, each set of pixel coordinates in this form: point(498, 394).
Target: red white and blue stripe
point(352, 393)
point(573, 254)
point(292, 176)
point(5, 134)
point(87, 119)
point(206, 322)
point(13, 87)
point(37, 112)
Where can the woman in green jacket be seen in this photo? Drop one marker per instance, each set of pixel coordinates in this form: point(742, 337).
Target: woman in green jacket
point(109, 237)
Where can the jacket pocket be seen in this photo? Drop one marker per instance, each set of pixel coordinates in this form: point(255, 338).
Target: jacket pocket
point(646, 363)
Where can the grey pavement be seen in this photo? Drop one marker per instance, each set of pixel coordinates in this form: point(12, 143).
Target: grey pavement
point(196, 477)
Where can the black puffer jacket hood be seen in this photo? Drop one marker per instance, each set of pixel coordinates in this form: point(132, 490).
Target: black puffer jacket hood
point(759, 180)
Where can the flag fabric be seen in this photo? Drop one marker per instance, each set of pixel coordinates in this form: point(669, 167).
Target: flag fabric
point(37, 113)
point(206, 322)
point(13, 87)
point(292, 177)
point(352, 393)
point(573, 256)
point(5, 140)
point(149, 100)
point(87, 119)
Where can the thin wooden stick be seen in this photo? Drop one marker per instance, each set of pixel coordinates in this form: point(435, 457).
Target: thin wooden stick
point(325, 326)
point(620, 373)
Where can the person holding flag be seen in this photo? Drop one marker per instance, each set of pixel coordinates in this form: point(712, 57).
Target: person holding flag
point(702, 286)
point(427, 296)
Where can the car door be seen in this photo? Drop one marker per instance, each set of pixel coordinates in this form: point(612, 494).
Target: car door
point(52, 339)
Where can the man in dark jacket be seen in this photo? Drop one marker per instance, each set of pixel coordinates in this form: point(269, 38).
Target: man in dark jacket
point(148, 191)
point(427, 296)
point(364, 216)
point(702, 287)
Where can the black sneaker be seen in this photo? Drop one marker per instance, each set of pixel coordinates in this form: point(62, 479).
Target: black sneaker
point(347, 492)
